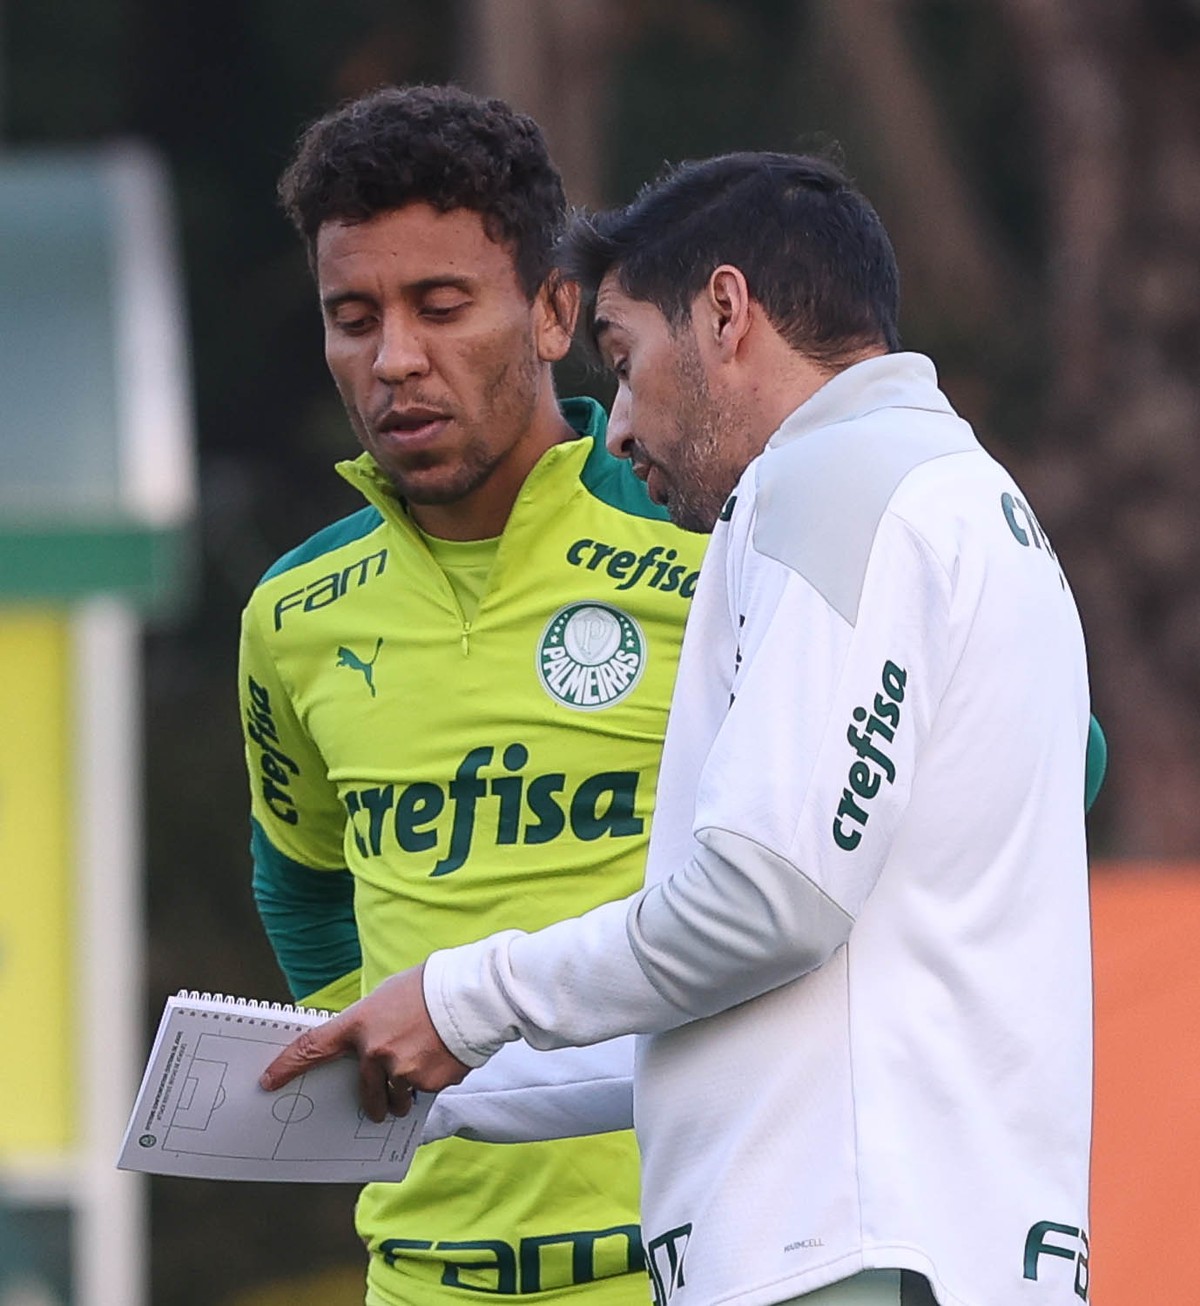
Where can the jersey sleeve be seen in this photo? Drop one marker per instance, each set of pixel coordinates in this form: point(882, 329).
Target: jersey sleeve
point(302, 889)
point(336, 995)
point(1097, 763)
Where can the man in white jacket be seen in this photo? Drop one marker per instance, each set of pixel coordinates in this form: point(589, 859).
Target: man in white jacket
point(860, 969)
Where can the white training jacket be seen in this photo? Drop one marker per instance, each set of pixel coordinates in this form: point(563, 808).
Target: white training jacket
point(860, 968)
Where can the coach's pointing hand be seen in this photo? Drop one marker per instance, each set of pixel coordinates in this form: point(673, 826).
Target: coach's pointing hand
point(397, 1046)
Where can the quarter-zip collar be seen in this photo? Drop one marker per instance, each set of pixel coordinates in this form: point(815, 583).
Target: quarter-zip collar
point(585, 416)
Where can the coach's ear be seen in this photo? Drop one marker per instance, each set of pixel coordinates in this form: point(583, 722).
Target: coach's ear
point(721, 313)
point(556, 311)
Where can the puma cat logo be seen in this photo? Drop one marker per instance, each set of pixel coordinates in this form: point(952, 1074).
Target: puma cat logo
point(346, 657)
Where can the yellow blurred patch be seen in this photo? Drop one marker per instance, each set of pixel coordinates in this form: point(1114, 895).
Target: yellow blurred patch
point(37, 1088)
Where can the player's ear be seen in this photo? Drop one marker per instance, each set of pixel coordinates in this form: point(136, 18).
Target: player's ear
point(556, 311)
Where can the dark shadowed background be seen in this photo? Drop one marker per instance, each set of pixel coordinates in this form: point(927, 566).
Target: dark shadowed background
point(1039, 169)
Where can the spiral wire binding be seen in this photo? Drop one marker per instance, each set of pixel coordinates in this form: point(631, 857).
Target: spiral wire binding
point(254, 1004)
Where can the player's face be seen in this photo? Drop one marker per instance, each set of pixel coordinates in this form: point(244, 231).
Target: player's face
point(438, 354)
point(682, 439)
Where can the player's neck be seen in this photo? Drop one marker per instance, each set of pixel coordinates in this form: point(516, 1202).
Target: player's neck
point(483, 513)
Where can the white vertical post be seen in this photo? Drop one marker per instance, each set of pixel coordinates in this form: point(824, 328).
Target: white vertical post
point(109, 1239)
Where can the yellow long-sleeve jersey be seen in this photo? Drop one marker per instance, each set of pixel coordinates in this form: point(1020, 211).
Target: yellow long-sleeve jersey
point(464, 777)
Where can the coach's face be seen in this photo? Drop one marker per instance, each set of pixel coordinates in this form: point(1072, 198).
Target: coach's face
point(671, 417)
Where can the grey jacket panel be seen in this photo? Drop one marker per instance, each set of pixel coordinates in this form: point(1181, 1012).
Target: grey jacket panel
point(822, 494)
point(736, 921)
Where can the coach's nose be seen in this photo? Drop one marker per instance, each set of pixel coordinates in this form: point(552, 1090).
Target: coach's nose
point(619, 436)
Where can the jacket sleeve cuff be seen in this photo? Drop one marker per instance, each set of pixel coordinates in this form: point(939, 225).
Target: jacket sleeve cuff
point(473, 1030)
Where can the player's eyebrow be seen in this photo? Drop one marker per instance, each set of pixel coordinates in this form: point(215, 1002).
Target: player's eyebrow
point(465, 284)
point(334, 300)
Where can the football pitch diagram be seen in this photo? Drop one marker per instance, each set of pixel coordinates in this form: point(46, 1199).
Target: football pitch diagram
point(284, 1126)
point(200, 1110)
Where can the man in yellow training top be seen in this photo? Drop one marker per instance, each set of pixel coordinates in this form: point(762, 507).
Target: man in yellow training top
point(454, 700)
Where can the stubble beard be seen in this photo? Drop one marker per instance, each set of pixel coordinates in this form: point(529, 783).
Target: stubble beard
point(509, 399)
point(703, 476)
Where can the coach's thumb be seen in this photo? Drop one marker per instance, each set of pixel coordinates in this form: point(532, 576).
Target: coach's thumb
point(312, 1048)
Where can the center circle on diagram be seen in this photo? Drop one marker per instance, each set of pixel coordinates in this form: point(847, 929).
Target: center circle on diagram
point(295, 1106)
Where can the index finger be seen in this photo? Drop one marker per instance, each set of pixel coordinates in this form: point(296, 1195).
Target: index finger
point(313, 1048)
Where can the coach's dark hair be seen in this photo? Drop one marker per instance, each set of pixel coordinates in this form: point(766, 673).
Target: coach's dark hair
point(814, 253)
point(436, 144)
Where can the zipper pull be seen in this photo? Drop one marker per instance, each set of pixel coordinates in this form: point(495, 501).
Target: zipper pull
point(466, 638)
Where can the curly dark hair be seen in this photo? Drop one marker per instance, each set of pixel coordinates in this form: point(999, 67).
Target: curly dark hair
point(436, 144)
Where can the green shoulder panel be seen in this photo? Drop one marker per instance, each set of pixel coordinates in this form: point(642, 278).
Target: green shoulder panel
point(609, 479)
point(1097, 763)
point(331, 537)
point(585, 415)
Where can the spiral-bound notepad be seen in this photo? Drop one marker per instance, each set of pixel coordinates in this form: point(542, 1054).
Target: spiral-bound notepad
point(201, 1113)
